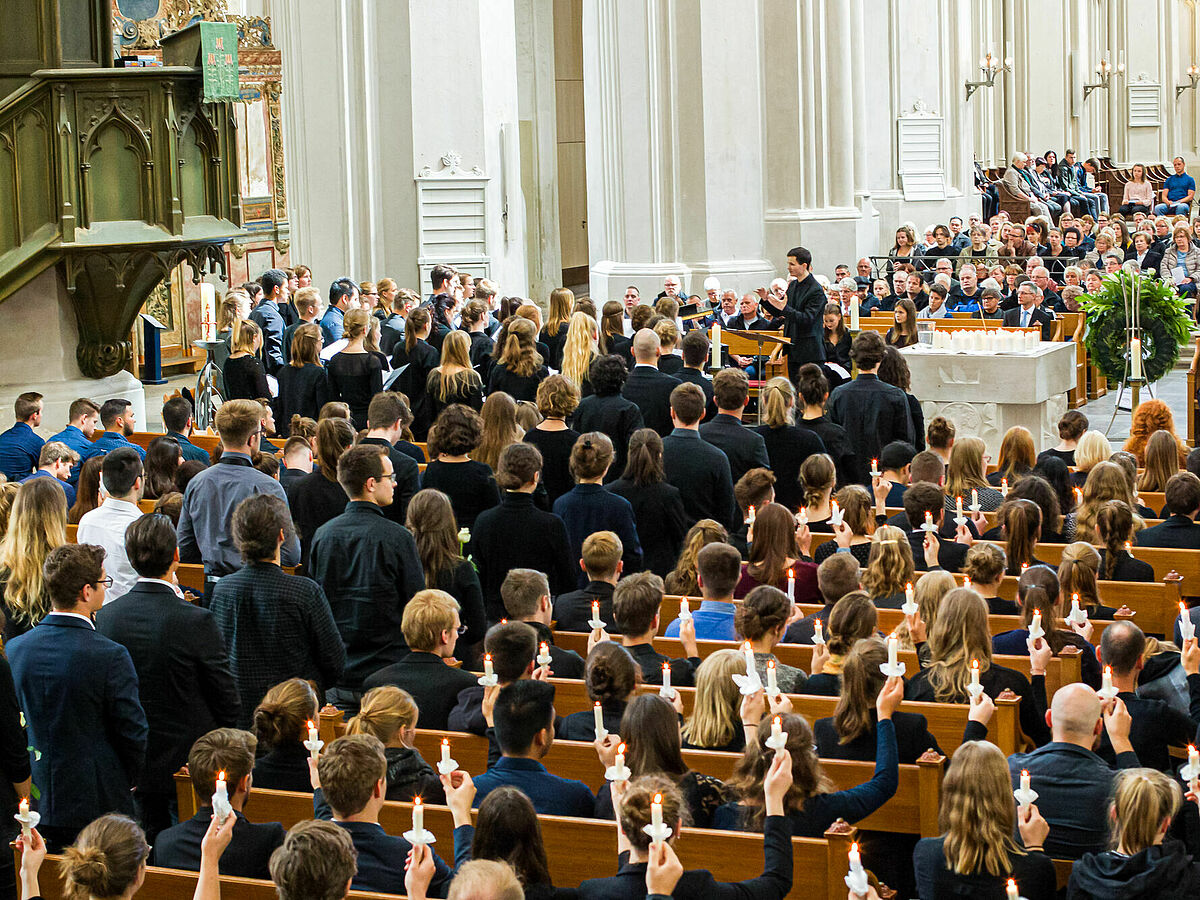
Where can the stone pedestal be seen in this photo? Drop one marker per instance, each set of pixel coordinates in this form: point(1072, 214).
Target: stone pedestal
point(985, 394)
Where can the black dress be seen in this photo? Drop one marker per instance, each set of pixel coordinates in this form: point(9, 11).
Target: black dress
point(554, 344)
point(314, 500)
point(840, 352)
point(303, 391)
point(837, 445)
point(471, 395)
point(470, 486)
point(661, 521)
point(519, 387)
point(556, 458)
point(787, 448)
point(412, 381)
point(614, 416)
point(354, 378)
point(245, 379)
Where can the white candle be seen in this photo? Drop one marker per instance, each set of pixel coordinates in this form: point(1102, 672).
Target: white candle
point(776, 728)
point(1024, 780)
point(716, 346)
point(854, 314)
point(666, 678)
point(974, 498)
point(1186, 628)
point(966, 581)
point(750, 515)
point(1193, 761)
point(313, 732)
point(818, 632)
point(487, 665)
point(1078, 496)
point(748, 651)
point(893, 650)
point(1035, 624)
point(909, 593)
point(855, 858)
point(418, 817)
point(874, 467)
point(772, 679)
point(24, 818)
point(543, 657)
point(599, 716)
point(958, 509)
point(1003, 487)
point(1010, 891)
point(791, 584)
point(595, 610)
point(1106, 679)
point(656, 818)
point(685, 611)
point(835, 513)
point(446, 751)
point(1135, 358)
point(929, 519)
point(619, 762)
point(974, 673)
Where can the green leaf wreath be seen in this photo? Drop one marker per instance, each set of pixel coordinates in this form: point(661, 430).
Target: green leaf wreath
point(1166, 322)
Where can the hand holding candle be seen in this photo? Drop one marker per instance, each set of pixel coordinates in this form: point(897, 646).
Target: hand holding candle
point(28, 818)
point(666, 691)
point(618, 771)
point(1025, 794)
point(446, 765)
point(857, 879)
point(596, 623)
point(544, 658)
point(314, 743)
point(419, 836)
point(488, 678)
point(974, 688)
point(220, 800)
point(909, 607)
point(1107, 691)
point(772, 679)
point(893, 667)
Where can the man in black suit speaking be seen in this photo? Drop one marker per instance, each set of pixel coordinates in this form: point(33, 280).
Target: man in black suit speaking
point(803, 313)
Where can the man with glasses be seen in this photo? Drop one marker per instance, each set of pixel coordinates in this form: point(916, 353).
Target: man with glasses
point(369, 568)
point(78, 691)
point(205, 533)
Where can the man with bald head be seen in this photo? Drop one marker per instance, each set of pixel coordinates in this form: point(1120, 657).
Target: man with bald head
point(646, 386)
point(1074, 783)
point(1156, 724)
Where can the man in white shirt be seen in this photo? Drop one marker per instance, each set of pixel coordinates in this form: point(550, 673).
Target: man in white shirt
point(121, 476)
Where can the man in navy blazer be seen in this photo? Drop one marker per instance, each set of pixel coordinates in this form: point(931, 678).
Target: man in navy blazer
point(79, 693)
point(1179, 531)
point(803, 313)
point(249, 852)
point(185, 683)
point(646, 386)
point(744, 447)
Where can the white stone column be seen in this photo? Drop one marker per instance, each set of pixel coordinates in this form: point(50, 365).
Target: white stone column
point(675, 157)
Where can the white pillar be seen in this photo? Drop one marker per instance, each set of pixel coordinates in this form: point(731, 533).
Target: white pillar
point(675, 157)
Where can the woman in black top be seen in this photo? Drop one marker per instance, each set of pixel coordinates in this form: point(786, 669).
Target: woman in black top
point(317, 497)
point(303, 386)
point(787, 445)
point(976, 854)
point(657, 506)
point(612, 330)
point(518, 369)
point(1017, 456)
point(1114, 525)
point(837, 338)
point(163, 459)
point(903, 332)
point(856, 507)
point(557, 399)
point(959, 636)
point(469, 484)
point(245, 378)
point(430, 518)
point(355, 374)
point(814, 391)
point(389, 713)
point(554, 335)
point(852, 618)
point(650, 730)
point(417, 359)
point(611, 678)
point(280, 722)
point(454, 381)
point(1037, 490)
point(894, 371)
point(606, 411)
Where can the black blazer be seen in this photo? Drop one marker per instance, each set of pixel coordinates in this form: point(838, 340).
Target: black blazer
point(184, 681)
point(698, 378)
point(670, 364)
point(701, 472)
point(1129, 568)
point(247, 855)
point(804, 320)
point(1176, 532)
point(787, 448)
point(303, 391)
point(433, 685)
point(1039, 316)
point(951, 555)
point(573, 610)
point(912, 739)
point(651, 390)
point(283, 768)
point(744, 446)
point(661, 521)
point(614, 416)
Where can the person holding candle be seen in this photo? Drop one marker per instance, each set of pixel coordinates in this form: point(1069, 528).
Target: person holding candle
point(931, 589)
point(636, 607)
point(853, 618)
point(818, 477)
point(1156, 724)
point(967, 472)
point(611, 679)
point(108, 859)
point(927, 504)
point(976, 854)
point(638, 808)
point(717, 570)
point(231, 751)
point(714, 723)
point(390, 714)
point(280, 724)
point(889, 567)
point(653, 747)
point(600, 560)
point(959, 635)
point(349, 787)
point(762, 619)
point(1144, 858)
point(523, 717)
point(985, 566)
point(1038, 592)
point(853, 534)
point(780, 546)
point(753, 491)
point(526, 595)
point(810, 805)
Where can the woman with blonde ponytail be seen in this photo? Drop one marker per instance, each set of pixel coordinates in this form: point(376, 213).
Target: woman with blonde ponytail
point(554, 335)
point(787, 445)
point(390, 714)
point(518, 370)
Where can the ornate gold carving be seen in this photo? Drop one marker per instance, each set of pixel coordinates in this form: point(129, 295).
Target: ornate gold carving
point(158, 304)
point(253, 31)
point(273, 90)
point(238, 249)
point(172, 15)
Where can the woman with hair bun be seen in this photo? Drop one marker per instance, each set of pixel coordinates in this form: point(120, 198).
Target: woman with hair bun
point(389, 713)
point(818, 476)
point(588, 507)
point(657, 505)
point(107, 860)
point(355, 373)
point(281, 726)
point(985, 566)
point(761, 619)
point(611, 678)
point(468, 483)
point(852, 618)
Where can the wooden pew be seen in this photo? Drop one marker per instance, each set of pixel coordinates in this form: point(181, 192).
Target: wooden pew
point(179, 884)
point(578, 849)
point(1063, 669)
point(946, 720)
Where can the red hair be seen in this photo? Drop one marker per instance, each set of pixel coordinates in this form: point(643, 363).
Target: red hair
point(1149, 417)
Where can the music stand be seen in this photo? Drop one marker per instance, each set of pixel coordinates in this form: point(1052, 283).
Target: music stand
point(750, 343)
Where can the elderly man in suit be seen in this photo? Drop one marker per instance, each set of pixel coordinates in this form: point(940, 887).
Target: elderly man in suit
point(1015, 180)
point(1030, 311)
point(79, 693)
point(185, 683)
point(802, 311)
